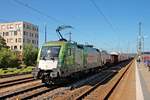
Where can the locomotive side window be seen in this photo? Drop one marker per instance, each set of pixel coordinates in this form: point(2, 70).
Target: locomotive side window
point(49, 52)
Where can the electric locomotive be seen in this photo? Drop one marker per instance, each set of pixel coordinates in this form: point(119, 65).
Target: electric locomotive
point(60, 59)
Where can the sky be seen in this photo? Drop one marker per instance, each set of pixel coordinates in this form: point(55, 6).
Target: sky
point(114, 28)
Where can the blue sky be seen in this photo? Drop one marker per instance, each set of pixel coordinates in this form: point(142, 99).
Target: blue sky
point(89, 25)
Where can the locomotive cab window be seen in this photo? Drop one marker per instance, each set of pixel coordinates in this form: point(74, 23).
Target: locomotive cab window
point(49, 52)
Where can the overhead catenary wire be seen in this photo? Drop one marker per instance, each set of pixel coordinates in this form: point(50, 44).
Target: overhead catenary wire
point(101, 13)
point(41, 13)
point(53, 18)
point(38, 11)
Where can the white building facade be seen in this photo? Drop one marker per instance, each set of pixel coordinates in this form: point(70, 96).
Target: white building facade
point(17, 34)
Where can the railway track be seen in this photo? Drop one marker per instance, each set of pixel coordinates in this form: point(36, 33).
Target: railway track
point(15, 82)
point(119, 76)
point(41, 90)
point(20, 91)
point(28, 93)
point(33, 93)
point(13, 78)
point(87, 92)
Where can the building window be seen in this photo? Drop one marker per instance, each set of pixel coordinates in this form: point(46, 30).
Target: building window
point(30, 34)
point(37, 29)
point(15, 33)
point(24, 26)
point(23, 40)
point(20, 47)
point(3, 33)
point(16, 40)
point(33, 41)
point(24, 33)
point(7, 33)
point(28, 27)
point(15, 47)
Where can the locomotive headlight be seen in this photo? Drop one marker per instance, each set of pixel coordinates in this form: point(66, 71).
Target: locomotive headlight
point(53, 74)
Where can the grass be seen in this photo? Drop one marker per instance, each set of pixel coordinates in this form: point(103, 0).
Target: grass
point(15, 70)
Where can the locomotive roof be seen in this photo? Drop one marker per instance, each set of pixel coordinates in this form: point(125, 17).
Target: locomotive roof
point(54, 42)
point(65, 42)
point(57, 43)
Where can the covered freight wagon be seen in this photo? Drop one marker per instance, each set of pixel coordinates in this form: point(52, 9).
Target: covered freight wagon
point(114, 57)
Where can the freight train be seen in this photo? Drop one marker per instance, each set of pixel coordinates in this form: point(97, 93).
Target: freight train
point(62, 59)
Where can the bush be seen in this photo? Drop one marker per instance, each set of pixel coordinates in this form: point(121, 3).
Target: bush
point(8, 58)
point(30, 54)
point(2, 43)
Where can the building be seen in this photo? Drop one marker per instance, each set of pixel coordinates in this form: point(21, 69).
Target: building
point(17, 34)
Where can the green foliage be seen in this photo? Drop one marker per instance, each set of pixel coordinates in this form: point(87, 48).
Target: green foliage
point(15, 70)
point(29, 54)
point(2, 43)
point(8, 58)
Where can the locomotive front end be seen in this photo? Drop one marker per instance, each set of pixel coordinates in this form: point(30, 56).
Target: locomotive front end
point(49, 62)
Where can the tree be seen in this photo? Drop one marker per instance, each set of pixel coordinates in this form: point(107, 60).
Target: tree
point(8, 58)
point(2, 43)
point(29, 54)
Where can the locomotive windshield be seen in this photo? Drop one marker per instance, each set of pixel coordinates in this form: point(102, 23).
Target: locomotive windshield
point(50, 52)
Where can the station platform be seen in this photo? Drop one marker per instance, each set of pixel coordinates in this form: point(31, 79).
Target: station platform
point(143, 84)
point(136, 85)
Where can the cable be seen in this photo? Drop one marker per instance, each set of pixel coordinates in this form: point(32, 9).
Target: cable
point(101, 13)
point(38, 11)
